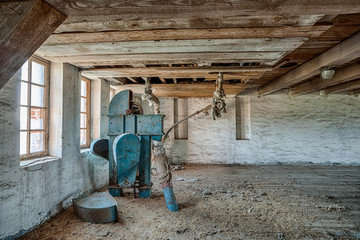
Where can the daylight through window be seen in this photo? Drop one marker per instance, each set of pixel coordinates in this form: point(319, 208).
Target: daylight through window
point(33, 108)
point(85, 113)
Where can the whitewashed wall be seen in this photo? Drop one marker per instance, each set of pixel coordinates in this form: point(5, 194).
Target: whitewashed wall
point(30, 195)
point(300, 129)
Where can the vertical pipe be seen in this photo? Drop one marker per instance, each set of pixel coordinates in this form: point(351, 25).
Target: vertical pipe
point(170, 197)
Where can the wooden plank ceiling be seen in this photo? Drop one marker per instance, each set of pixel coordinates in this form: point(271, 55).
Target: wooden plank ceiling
point(182, 45)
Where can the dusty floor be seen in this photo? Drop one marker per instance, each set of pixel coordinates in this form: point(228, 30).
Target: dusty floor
point(233, 202)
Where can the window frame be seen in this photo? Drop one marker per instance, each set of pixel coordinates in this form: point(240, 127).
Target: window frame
point(88, 109)
point(45, 107)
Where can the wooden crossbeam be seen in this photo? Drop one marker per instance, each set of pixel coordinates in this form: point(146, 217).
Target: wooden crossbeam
point(347, 86)
point(234, 21)
point(343, 52)
point(345, 74)
point(169, 58)
point(173, 46)
point(198, 90)
point(91, 11)
point(188, 34)
point(162, 80)
point(178, 72)
point(21, 38)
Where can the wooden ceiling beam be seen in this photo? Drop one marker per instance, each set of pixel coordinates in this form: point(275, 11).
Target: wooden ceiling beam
point(235, 21)
point(187, 34)
point(347, 86)
point(20, 39)
point(178, 72)
point(343, 52)
point(196, 90)
point(95, 10)
point(169, 58)
point(344, 74)
point(173, 46)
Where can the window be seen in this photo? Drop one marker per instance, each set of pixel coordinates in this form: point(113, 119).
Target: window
point(85, 113)
point(34, 108)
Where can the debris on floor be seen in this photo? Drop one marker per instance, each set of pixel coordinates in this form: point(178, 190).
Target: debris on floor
point(230, 203)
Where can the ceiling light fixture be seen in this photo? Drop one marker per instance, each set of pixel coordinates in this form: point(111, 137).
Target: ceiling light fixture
point(327, 73)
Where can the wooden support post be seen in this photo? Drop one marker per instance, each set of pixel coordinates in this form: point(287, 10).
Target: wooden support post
point(20, 40)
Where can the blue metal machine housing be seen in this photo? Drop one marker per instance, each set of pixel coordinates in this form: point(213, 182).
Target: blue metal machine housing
point(145, 127)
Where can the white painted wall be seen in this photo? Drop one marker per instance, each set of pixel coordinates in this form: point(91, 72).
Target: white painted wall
point(29, 196)
point(301, 129)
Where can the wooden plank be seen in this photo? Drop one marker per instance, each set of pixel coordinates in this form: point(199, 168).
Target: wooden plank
point(342, 87)
point(129, 24)
point(162, 80)
point(177, 72)
point(345, 74)
point(185, 90)
point(168, 58)
point(172, 9)
point(173, 46)
point(20, 42)
point(187, 34)
point(345, 51)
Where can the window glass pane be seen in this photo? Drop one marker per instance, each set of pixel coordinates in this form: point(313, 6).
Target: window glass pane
point(24, 71)
point(83, 104)
point(37, 73)
point(83, 88)
point(24, 94)
point(37, 119)
point(37, 96)
point(36, 142)
point(23, 142)
point(82, 120)
point(82, 136)
point(23, 118)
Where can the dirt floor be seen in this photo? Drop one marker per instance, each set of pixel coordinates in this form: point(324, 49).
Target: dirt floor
point(232, 202)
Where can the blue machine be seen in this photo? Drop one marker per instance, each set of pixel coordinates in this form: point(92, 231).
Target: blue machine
point(129, 147)
point(130, 141)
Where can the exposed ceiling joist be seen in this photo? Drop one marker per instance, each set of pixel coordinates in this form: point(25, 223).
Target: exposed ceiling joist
point(133, 79)
point(169, 58)
point(188, 23)
point(186, 90)
point(173, 46)
point(345, 74)
point(347, 86)
point(19, 40)
point(178, 72)
point(173, 9)
point(187, 34)
point(343, 52)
